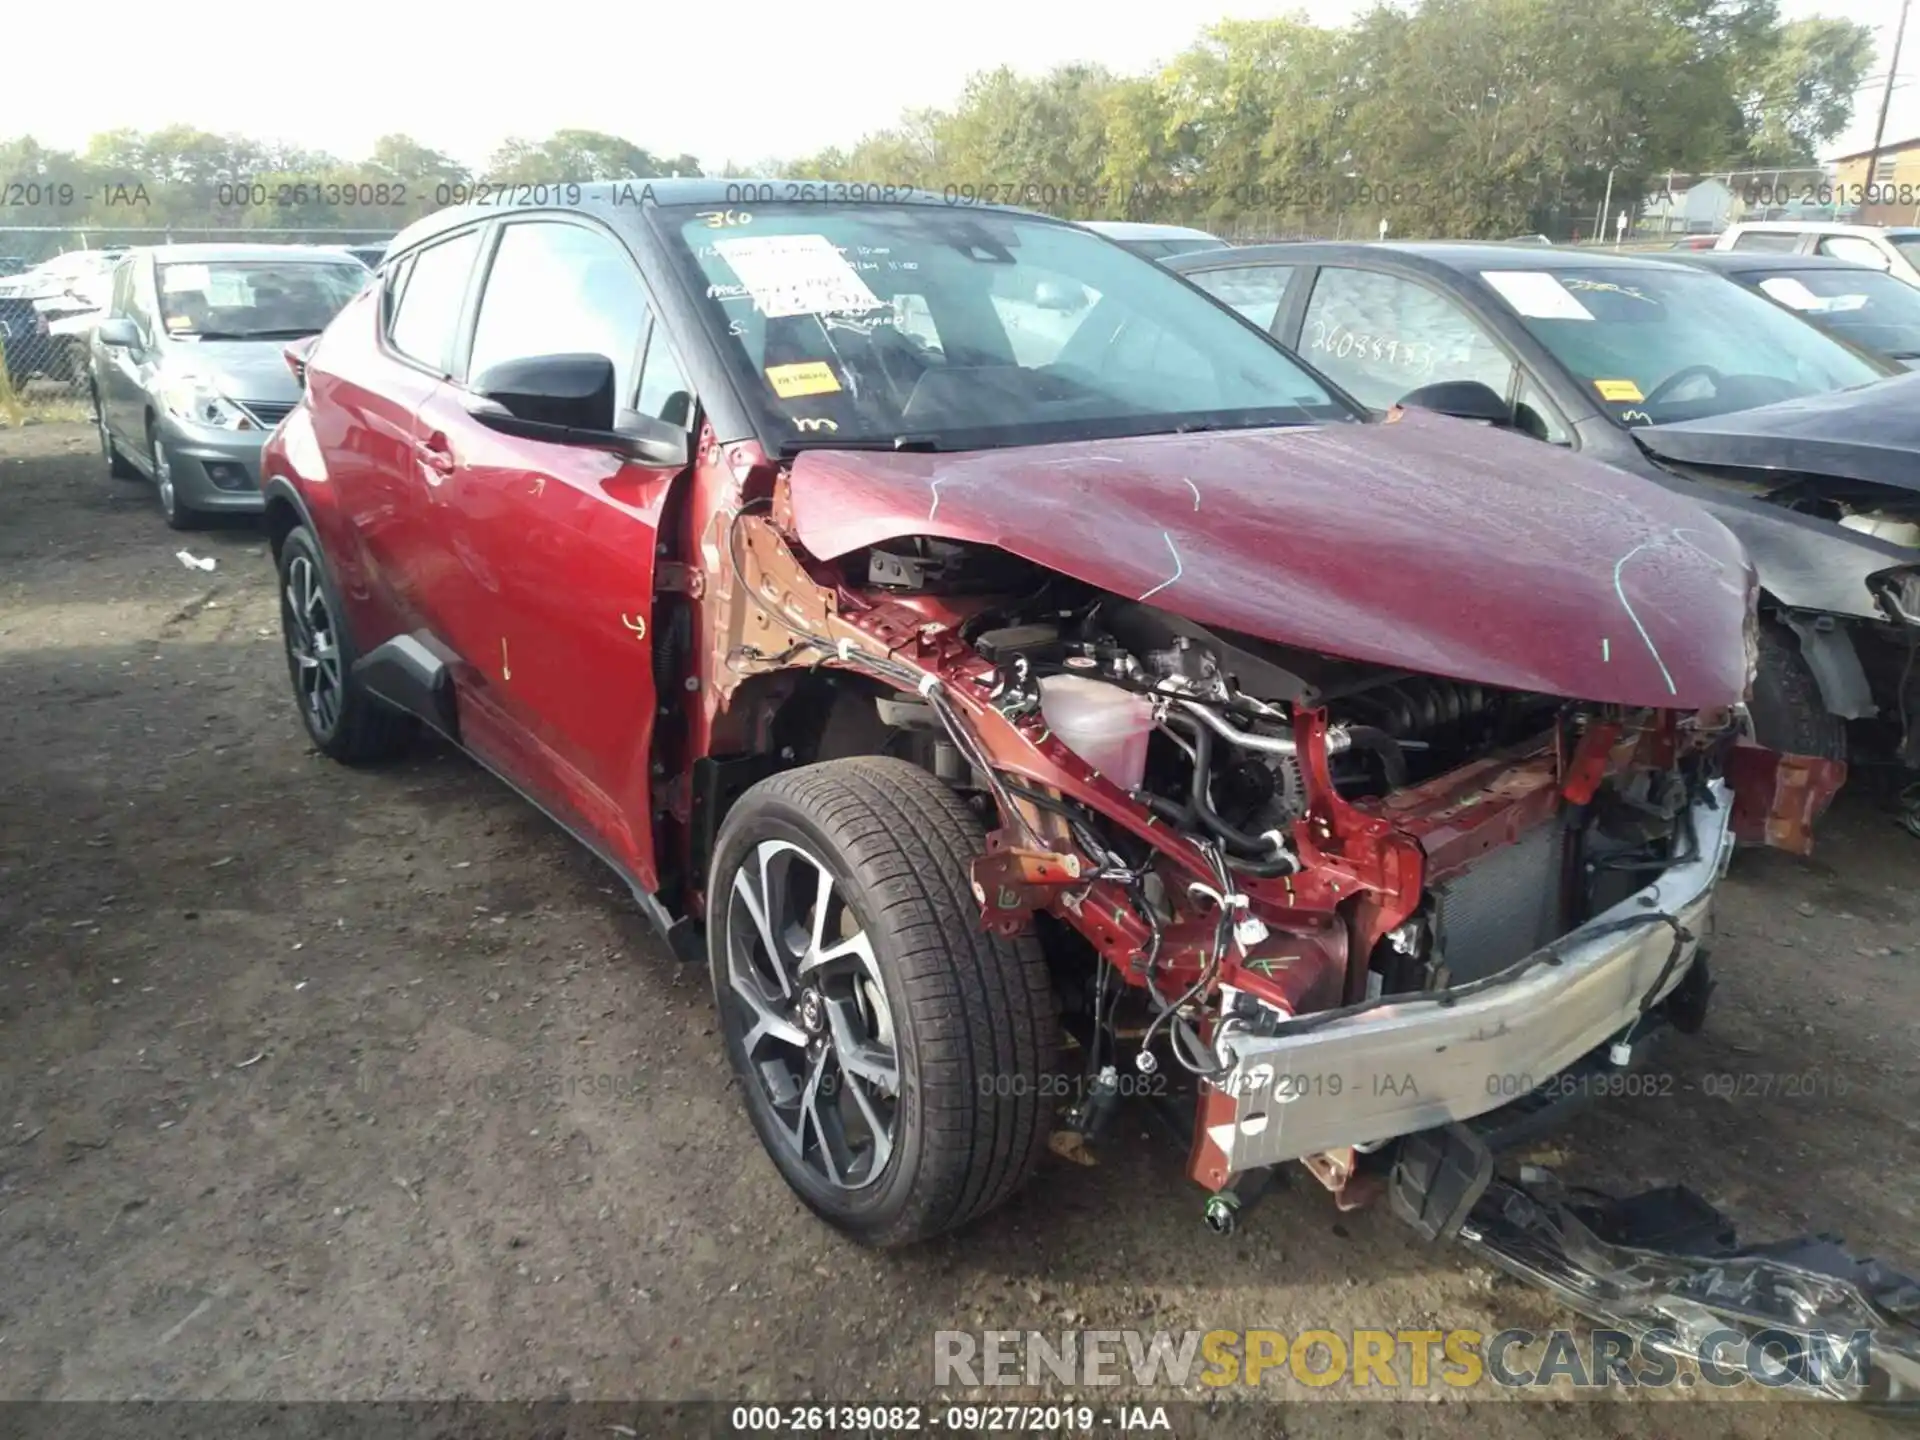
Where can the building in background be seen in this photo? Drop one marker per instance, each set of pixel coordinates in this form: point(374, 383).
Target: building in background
point(1890, 183)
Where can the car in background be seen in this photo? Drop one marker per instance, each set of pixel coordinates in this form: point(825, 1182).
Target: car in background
point(1895, 249)
point(914, 581)
point(56, 276)
point(1155, 242)
point(1606, 354)
point(188, 366)
point(1858, 304)
point(368, 255)
point(47, 311)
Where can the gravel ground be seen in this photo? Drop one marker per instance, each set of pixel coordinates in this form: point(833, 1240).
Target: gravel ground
point(319, 1083)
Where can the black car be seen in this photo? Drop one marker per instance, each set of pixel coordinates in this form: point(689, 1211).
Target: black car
point(1674, 374)
point(1856, 303)
point(22, 338)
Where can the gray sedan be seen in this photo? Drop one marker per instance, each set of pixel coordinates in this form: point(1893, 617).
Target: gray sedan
point(188, 372)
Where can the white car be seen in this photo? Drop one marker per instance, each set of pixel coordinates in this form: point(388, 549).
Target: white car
point(1895, 250)
point(1155, 242)
point(57, 276)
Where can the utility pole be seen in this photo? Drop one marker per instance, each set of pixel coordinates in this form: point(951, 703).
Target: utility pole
point(1886, 96)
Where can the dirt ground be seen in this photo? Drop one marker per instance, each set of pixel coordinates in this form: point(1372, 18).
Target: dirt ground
point(319, 1083)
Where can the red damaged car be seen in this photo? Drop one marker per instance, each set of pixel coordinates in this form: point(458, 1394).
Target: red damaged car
point(1019, 679)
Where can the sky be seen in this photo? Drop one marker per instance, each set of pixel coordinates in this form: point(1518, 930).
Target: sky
point(766, 78)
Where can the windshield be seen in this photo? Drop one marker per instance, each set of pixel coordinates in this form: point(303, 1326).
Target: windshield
point(949, 328)
point(1868, 307)
point(255, 299)
point(1658, 346)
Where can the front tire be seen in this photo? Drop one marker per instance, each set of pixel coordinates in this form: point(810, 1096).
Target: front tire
point(891, 1052)
point(117, 464)
point(177, 515)
point(343, 720)
point(1788, 713)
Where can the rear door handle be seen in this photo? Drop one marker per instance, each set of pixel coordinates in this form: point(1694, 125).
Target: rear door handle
point(435, 455)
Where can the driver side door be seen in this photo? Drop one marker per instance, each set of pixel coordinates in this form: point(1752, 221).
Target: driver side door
point(555, 543)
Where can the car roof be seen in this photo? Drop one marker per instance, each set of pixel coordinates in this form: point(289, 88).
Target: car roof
point(1821, 227)
point(1140, 230)
point(1737, 260)
point(209, 253)
point(1462, 257)
point(613, 199)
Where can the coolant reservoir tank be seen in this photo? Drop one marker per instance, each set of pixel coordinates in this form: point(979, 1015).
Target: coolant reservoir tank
point(1104, 725)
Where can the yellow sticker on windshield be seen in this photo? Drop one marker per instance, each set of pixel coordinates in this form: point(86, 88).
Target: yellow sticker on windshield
point(811, 377)
point(1618, 390)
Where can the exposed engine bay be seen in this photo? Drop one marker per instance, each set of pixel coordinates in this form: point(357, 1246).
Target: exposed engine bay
point(1223, 835)
point(1311, 910)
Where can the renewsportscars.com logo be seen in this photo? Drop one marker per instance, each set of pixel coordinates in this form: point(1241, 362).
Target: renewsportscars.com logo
point(1399, 1360)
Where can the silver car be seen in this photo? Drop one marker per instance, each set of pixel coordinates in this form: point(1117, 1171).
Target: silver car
point(188, 372)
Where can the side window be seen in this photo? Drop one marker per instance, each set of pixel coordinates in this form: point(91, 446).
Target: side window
point(392, 287)
point(121, 302)
point(1379, 337)
point(1854, 250)
point(426, 316)
point(1253, 290)
point(560, 289)
point(143, 304)
point(1535, 415)
point(1040, 311)
point(1778, 241)
point(664, 391)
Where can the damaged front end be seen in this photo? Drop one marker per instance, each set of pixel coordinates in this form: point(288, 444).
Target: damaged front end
point(1364, 914)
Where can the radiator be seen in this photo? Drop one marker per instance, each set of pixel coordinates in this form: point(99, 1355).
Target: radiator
point(1505, 907)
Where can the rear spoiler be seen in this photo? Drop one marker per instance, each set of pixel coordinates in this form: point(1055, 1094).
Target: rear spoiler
point(296, 357)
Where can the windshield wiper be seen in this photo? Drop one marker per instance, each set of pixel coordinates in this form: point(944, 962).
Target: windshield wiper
point(291, 332)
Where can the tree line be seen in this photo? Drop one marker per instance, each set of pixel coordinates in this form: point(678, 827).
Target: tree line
point(1473, 118)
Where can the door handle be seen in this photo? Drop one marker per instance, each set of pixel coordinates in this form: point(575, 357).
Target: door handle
point(435, 455)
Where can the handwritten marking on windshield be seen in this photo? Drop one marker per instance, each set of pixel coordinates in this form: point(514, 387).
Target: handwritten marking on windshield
point(1626, 605)
point(1193, 487)
point(1178, 569)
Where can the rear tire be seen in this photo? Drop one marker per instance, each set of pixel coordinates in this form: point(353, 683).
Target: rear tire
point(885, 962)
point(1788, 713)
point(344, 721)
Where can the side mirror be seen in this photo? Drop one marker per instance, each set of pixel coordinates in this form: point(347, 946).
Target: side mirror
point(568, 392)
point(652, 441)
point(1462, 399)
point(119, 331)
point(569, 400)
point(1052, 295)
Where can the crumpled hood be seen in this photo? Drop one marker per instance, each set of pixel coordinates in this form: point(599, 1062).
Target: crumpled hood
point(1422, 543)
point(1870, 433)
point(238, 369)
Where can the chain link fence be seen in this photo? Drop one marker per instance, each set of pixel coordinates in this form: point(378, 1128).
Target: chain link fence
point(55, 283)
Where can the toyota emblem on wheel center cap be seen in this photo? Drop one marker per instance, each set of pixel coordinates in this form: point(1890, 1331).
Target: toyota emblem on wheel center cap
point(813, 1012)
